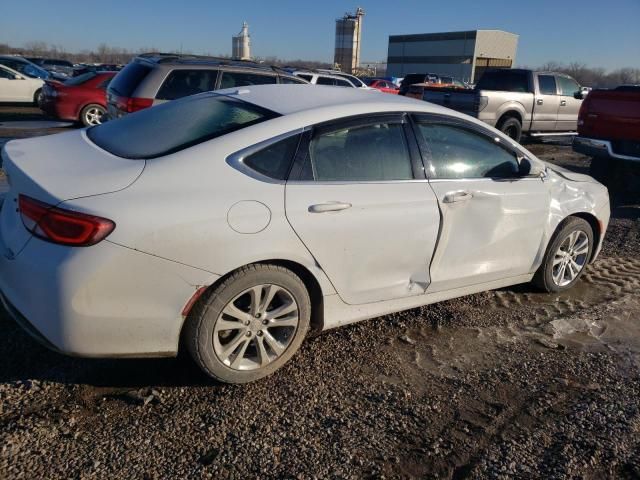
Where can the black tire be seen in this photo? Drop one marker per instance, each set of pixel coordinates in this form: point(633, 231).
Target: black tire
point(37, 97)
point(600, 169)
point(543, 278)
point(93, 107)
point(511, 127)
point(198, 332)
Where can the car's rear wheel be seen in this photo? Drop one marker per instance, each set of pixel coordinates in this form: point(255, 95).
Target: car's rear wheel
point(92, 115)
point(566, 257)
point(249, 325)
point(511, 127)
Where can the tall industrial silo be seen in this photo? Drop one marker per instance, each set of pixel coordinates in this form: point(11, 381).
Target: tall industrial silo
point(241, 49)
point(348, 35)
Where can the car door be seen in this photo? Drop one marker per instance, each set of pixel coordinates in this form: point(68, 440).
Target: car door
point(569, 105)
point(493, 215)
point(358, 199)
point(547, 101)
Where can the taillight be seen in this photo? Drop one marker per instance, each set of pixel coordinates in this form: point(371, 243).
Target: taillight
point(133, 104)
point(62, 226)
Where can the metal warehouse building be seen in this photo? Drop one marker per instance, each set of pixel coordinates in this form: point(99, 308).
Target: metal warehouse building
point(463, 55)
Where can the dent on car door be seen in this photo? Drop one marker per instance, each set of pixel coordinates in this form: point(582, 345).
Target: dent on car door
point(493, 215)
point(356, 200)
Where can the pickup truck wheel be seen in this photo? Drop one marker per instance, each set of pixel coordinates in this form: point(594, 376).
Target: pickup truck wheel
point(511, 127)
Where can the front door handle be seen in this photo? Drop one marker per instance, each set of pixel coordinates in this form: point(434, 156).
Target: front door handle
point(329, 207)
point(459, 196)
point(540, 101)
point(563, 103)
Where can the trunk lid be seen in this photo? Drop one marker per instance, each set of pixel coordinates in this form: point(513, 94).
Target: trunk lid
point(611, 115)
point(54, 169)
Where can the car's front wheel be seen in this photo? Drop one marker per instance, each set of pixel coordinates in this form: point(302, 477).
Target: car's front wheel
point(249, 325)
point(566, 257)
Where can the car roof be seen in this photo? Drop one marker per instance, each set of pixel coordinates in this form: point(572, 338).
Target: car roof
point(290, 99)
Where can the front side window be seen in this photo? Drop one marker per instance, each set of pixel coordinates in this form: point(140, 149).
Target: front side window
point(547, 84)
point(568, 86)
point(304, 76)
point(363, 153)
point(182, 83)
point(457, 152)
point(275, 160)
point(174, 126)
point(245, 79)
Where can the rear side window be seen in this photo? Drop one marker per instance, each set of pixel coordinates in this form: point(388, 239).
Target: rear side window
point(275, 160)
point(177, 125)
point(342, 83)
point(128, 79)
point(505, 80)
point(460, 153)
point(547, 84)
point(362, 153)
point(326, 81)
point(182, 83)
point(245, 79)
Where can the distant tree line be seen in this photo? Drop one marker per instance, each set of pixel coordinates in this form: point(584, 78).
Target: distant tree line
point(589, 76)
point(594, 77)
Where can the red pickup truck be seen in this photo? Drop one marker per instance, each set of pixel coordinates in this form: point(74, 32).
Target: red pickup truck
point(609, 131)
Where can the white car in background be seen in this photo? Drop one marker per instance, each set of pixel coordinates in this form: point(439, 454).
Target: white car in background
point(19, 88)
point(237, 221)
point(333, 79)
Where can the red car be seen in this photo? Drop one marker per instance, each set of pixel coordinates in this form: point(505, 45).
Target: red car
point(383, 85)
point(80, 99)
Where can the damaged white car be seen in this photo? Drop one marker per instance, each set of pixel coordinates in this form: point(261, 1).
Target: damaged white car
point(232, 223)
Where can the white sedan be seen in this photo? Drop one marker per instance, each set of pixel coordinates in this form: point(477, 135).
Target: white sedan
point(19, 88)
point(232, 223)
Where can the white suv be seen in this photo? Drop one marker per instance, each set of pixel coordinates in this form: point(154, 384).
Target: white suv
point(336, 79)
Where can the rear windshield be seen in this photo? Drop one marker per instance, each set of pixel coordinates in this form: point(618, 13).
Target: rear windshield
point(176, 125)
point(80, 79)
point(128, 79)
point(504, 80)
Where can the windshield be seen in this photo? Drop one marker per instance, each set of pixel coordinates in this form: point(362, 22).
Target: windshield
point(80, 79)
point(176, 125)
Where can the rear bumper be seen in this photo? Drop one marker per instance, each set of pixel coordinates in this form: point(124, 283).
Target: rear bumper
point(99, 301)
point(55, 109)
point(599, 148)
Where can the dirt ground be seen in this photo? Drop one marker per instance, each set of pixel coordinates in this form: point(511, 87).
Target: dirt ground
point(510, 383)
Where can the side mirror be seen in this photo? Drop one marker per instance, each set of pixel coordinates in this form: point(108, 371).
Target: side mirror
point(578, 95)
point(529, 168)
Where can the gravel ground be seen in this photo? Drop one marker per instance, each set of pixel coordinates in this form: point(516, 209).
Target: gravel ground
point(503, 384)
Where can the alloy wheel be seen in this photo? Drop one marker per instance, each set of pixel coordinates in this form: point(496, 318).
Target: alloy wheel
point(256, 327)
point(93, 116)
point(570, 258)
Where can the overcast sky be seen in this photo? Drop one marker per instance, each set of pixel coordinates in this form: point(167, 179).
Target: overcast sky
point(595, 32)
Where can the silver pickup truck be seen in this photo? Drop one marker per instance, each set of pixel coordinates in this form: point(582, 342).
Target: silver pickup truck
point(515, 101)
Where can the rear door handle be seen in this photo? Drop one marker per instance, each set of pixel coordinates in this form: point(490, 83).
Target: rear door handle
point(563, 103)
point(540, 101)
point(459, 196)
point(329, 207)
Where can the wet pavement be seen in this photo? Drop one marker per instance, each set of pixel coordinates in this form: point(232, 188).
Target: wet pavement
point(512, 383)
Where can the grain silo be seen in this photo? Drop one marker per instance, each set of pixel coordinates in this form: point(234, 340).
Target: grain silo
point(348, 35)
point(242, 44)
